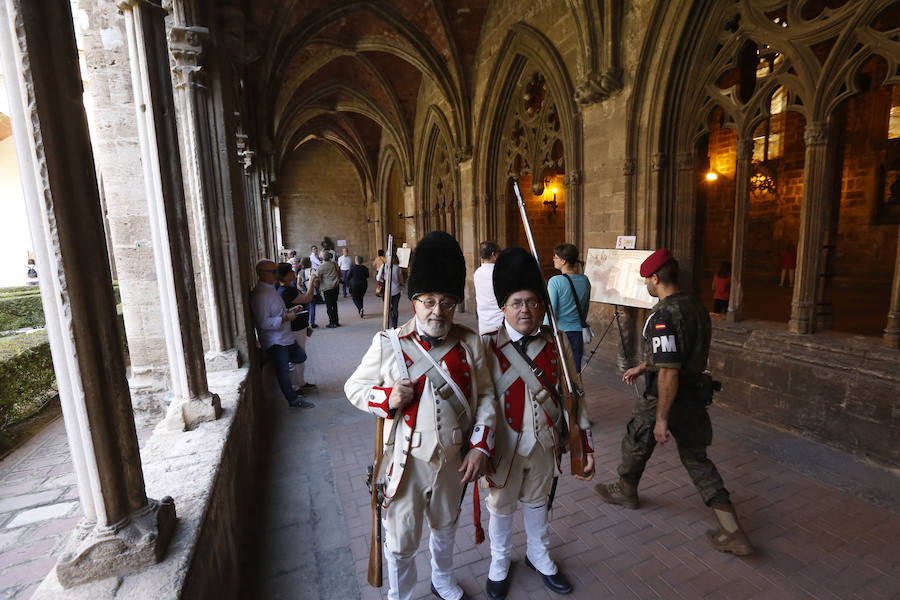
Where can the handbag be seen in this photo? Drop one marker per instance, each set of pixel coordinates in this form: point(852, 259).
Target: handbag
point(379, 277)
point(586, 334)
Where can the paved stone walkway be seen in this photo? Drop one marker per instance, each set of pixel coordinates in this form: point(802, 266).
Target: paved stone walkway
point(826, 524)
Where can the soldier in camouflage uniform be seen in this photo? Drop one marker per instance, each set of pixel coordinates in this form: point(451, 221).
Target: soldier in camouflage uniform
point(676, 343)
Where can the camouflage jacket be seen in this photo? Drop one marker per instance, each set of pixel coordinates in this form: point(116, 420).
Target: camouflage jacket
point(677, 336)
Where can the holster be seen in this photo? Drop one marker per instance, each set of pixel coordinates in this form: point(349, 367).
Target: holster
point(698, 388)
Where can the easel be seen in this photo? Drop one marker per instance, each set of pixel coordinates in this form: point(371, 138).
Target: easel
point(618, 323)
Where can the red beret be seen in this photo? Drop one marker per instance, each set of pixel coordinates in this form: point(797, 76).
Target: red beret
point(656, 260)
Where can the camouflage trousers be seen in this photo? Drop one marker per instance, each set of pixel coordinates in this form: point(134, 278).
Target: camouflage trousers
point(689, 424)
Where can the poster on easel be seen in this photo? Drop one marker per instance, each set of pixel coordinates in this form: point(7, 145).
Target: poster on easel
point(403, 256)
point(615, 277)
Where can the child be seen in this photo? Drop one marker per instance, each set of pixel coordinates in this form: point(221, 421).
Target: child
point(722, 288)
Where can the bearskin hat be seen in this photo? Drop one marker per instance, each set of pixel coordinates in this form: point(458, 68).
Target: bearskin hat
point(517, 270)
point(437, 266)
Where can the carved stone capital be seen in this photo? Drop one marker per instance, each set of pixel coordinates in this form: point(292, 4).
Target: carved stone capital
point(137, 541)
point(186, 44)
point(658, 162)
point(130, 5)
point(597, 87)
point(815, 134)
point(572, 178)
point(629, 167)
point(247, 156)
point(463, 153)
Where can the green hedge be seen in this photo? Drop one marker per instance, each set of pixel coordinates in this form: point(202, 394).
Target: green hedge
point(20, 307)
point(27, 380)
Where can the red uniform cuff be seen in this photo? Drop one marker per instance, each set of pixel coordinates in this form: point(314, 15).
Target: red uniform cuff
point(483, 439)
point(378, 402)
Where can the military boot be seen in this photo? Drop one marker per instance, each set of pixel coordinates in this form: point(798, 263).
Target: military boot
point(729, 537)
point(618, 492)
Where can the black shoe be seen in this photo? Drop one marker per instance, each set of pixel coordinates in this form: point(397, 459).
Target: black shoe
point(434, 591)
point(301, 403)
point(331, 326)
point(307, 386)
point(313, 325)
point(497, 590)
point(558, 583)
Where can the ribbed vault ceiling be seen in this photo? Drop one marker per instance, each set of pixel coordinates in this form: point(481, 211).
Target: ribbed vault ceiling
point(349, 73)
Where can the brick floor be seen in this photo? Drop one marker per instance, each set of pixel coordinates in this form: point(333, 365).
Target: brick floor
point(814, 539)
point(818, 536)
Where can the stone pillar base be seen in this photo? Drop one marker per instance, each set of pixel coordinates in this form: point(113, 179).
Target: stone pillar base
point(227, 360)
point(148, 396)
point(184, 415)
point(99, 552)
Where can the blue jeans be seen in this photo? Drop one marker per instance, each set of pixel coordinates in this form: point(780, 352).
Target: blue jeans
point(283, 356)
point(577, 342)
point(345, 275)
point(312, 312)
point(395, 310)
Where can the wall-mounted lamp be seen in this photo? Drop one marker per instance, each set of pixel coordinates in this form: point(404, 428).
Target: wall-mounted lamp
point(402, 216)
point(712, 175)
point(552, 203)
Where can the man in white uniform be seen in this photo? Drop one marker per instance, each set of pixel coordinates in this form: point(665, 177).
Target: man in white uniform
point(438, 404)
point(489, 316)
point(527, 373)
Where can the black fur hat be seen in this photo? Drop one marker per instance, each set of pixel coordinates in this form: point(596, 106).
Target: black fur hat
point(437, 266)
point(517, 270)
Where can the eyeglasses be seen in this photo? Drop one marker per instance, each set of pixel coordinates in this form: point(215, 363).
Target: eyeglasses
point(431, 303)
point(519, 304)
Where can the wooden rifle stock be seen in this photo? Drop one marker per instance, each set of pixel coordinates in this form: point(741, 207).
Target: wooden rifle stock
point(375, 576)
point(570, 395)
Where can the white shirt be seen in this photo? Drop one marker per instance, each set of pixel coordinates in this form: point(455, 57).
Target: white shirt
point(344, 263)
point(515, 336)
point(395, 279)
point(268, 310)
point(489, 314)
point(314, 260)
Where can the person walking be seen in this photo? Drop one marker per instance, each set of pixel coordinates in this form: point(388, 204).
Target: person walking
point(570, 297)
point(721, 288)
point(293, 298)
point(307, 273)
point(344, 263)
point(272, 321)
point(677, 337)
point(489, 316)
point(329, 278)
point(358, 281)
point(396, 284)
point(530, 421)
point(438, 422)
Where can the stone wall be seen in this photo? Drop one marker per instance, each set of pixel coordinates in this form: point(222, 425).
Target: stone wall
point(321, 195)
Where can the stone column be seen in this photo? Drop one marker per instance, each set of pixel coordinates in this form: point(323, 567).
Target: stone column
point(196, 124)
point(122, 529)
point(741, 225)
point(813, 216)
point(145, 25)
point(467, 227)
point(684, 221)
point(891, 337)
point(574, 220)
point(409, 208)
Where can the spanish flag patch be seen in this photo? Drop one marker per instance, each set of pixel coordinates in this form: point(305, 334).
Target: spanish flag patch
point(660, 326)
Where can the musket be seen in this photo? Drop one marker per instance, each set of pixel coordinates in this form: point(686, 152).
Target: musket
point(570, 395)
point(373, 471)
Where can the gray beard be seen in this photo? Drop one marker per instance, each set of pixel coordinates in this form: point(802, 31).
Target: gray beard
point(432, 329)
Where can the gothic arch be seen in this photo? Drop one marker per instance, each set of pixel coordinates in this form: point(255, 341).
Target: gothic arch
point(525, 51)
point(437, 176)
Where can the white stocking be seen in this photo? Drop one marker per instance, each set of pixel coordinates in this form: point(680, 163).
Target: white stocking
point(441, 545)
point(499, 529)
point(538, 535)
